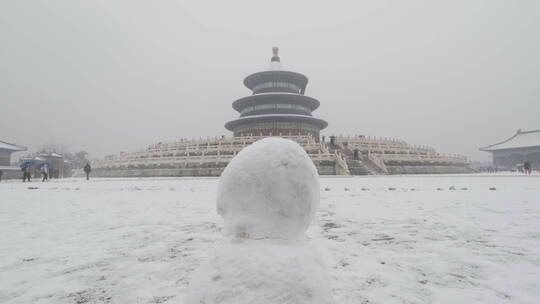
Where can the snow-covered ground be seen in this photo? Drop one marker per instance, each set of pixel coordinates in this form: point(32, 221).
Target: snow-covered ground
point(397, 239)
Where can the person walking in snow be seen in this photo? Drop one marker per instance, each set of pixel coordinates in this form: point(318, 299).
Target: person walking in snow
point(527, 167)
point(26, 173)
point(45, 172)
point(87, 170)
point(1, 173)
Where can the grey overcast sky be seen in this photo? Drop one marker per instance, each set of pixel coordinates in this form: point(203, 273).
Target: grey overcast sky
point(109, 76)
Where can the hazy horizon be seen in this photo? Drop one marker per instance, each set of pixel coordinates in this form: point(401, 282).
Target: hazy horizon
point(111, 76)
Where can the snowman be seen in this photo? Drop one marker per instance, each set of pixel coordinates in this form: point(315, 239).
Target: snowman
point(267, 196)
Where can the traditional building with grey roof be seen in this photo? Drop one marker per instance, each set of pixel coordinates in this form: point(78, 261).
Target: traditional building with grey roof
point(6, 149)
point(514, 151)
point(278, 106)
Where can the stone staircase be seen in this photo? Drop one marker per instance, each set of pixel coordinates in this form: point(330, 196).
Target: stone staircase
point(361, 166)
point(372, 168)
point(357, 167)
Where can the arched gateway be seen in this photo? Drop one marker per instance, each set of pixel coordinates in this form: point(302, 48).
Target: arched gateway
point(278, 105)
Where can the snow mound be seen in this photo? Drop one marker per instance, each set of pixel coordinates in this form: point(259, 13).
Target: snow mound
point(268, 271)
point(269, 190)
point(267, 196)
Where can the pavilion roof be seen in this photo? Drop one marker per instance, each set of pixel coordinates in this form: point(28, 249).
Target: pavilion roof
point(522, 139)
point(50, 154)
point(11, 147)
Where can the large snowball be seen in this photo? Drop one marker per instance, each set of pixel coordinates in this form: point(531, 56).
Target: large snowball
point(269, 190)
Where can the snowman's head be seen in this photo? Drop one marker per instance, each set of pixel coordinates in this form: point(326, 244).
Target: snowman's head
point(269, 190)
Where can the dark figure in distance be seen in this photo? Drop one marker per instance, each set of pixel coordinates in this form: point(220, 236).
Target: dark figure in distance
point(87, 170)
point(1, 173)
point(26, 173)
point(527, 167)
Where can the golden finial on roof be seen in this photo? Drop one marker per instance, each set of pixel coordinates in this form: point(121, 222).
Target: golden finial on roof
point(275, 56)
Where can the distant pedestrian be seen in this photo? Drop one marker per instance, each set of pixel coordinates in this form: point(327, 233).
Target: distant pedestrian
point(26, 173)
point(87, 170)
point(1, 173)
point(45, 172)
point(527, 167)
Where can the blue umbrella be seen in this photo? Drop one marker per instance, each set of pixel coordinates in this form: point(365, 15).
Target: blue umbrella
point(27, 163)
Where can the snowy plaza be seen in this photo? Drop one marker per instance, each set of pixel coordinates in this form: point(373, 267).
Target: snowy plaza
point(385, 239)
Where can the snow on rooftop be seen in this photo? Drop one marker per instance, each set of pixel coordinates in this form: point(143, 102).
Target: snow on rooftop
point(51, 154)
point(10, 168)
point(275, 66)
point(275, 115)
point(521, 139)
point(12, 147)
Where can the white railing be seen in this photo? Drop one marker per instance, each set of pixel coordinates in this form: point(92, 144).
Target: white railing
point(379, 145)
point(378, 162)
point(423, 158)
point(388, 149)
point(342, 164)
point(201, 151)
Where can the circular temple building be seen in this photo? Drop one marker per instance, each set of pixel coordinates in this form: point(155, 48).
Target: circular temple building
point(278, 105)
